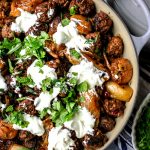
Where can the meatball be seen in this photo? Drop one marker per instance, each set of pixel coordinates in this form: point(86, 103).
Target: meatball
point(113, 107)
point(37, 29)
point(25, 135)
point(6, 30)
point(27, 106)
point(45, 11)
point(7, 131)
point(107, 123)
point(30, 143)
point(95, 141)
point(84, 7)
point(96, 42)
point(53, 25)
point(62, 3)
point(102, 22)
point(121, 70)
point(4, 8)
point(27, 5)
point(115, 47)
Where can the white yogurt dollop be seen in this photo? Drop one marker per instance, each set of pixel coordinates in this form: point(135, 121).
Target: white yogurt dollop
point(35, 125)
point(24, 21)
point(60, 139)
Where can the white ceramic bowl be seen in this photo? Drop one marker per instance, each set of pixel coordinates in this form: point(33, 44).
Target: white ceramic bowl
point(138, 114)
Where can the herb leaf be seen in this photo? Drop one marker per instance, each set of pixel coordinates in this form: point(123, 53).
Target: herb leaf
point(11, 69)
point(65, 22)
point(75, 54)
point(83, 87)
point(73, 10)
point(17, 118)
point(25, 80)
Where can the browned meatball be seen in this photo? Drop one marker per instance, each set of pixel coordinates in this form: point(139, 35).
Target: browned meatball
point(95, 141)
point(53, 25)
point(25, 135)
point(27, 5)
point(84, 7)
point(27, 106)
point(46, 11)
point(62, 3)
point(37, 29)
point(115, 47)
point(7, 131)
point(6, 30)
point(114, 107)
point(28, 139)
point(121, 70)
point(107, 123)
point(4, 8)
point(102, 22)
point(96, 42)
point(30, 144)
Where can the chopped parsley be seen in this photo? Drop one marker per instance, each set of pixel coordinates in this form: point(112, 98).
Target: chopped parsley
point(43, 113)
point(143, 129)
point(21, 98)
point(9, 108)
point(9, 46)
point(73, 10)
point(65, 22)
point(11, 69)
point(83, 87)
point(47, 84)
point(75, 54)
point(39, 63)
point(25, 80)
point(17, 117)
point(34, 46)
point(65, 109)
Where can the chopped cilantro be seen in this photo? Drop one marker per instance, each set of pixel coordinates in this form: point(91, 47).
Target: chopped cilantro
point(17, 117)
point(75, 54)
point(25, 80)
point(82, 99)
point(11, 69)
point(65, 22)
point(9, 108)
point(39, 63)
point(73, 10)
point(64, 110)
point(9, 46)
point(83, 87)
point(90, 41)
point(43, 113)
point(21, 98)
point(46, 84)
point(75, 73)
point(73, 81)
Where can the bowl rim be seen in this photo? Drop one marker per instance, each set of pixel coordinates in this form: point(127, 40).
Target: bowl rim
point(138, 113)
point(112, 13)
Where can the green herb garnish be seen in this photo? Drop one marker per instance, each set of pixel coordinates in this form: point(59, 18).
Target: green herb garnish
point(43, 113)
point(9, 108)
point(21, 98)
point(75, 54)
point(83, 87)
point(17, 117)
point(65, 22)
point(25, 80)
point(143, 130)
point(73, 10)
point(11, 69)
